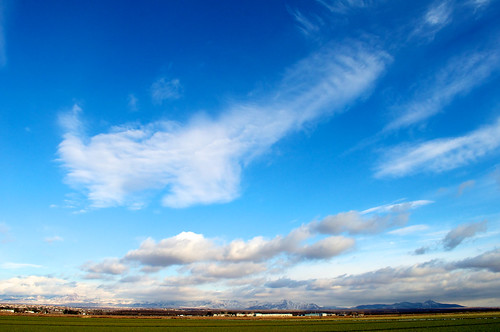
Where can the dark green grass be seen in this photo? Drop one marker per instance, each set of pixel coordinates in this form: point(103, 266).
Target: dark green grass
point(438, 323)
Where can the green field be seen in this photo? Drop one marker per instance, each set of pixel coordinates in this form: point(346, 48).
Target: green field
point(485, 322)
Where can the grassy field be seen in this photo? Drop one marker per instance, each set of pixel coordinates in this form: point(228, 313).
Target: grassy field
point(472, 322)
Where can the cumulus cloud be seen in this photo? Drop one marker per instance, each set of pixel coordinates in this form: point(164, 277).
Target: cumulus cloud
point(370, 221)
point(200, 162)
point(228, 270)
point(462, 232)
point(469, 281)
point(286, 282)
point(440, 155)
point(165, 89)
point(188, 247)
point(463, 282)
point(50, 290)
point(196, 253)
point(184, 248)
point(326, 248)
point(489, 260)
point(421, 251)
point(111, 266)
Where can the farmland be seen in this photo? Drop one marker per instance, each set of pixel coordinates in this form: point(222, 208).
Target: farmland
point(436, 322)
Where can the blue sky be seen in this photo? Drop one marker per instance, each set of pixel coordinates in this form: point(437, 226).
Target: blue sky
point(336, 152)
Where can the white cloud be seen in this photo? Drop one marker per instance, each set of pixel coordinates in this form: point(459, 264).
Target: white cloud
point(344, 6)
point(50, 290)
point(496, 176)
point(465, 185)
point(165, 89)
point(110, 266)
point(306, 25)
point(420, 282)
point(53, 239)
point(132, 102)
point(437, 16)
point(462, 232)
point(302, 243)
point(489, 260)
point(201, 162)
point(459, 77)
point(479, 3)
point(441, 154)
point(14, 266)
point(469, 282)
point(5, 233)
point(409, 230)
point(228, 271)
point(326, 248)
point(354, 222)
point(4, 229)
point(398, 207)
point(421, 250)
point(184, 248)
point(187, 248)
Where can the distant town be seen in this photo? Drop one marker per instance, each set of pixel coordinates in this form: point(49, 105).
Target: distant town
point(25, 309)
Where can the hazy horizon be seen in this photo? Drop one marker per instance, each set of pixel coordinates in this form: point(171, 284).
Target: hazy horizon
point(336, 152)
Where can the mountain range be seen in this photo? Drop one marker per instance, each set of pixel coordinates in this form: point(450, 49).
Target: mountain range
point(290, 305)
point(410, 305)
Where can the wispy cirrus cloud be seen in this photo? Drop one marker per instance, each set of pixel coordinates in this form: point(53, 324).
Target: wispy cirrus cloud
point(436, 17)
point(479, 3)
point(11, 265)
point(133, 102)
point(409, 230)
point(52, 239)
point(306, 25)
point(344, 6)
point(457, 78)
point(464, 186)
point(4, 233)
point(397, 207)
point(440, 155)
point(438, 14)
point(166, 89)
point(200, 162)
